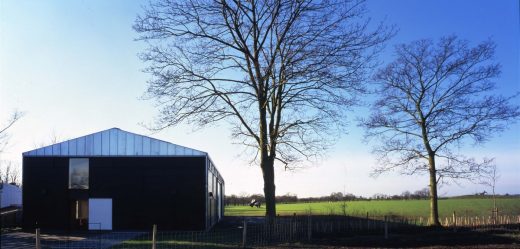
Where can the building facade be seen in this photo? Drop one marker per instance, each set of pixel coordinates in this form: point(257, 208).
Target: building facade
point(117, 180)
point(10, 195)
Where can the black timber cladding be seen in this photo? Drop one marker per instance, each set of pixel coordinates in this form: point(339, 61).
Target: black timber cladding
point(168, 192)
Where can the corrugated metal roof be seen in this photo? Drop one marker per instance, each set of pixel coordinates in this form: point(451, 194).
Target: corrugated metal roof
point(113, 142)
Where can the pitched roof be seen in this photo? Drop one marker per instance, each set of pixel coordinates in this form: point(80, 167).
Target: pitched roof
point(114, 142)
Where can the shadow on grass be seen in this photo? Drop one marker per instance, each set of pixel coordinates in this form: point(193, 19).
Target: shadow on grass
point(326, 232)
point(229, 237)
point(509, 236)
point(344, 231)
point(172, 244)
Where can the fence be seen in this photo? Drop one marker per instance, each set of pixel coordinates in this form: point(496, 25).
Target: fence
point(258, 232)
point(10, 217)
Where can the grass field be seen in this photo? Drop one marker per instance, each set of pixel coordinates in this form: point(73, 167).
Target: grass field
point(406, 208)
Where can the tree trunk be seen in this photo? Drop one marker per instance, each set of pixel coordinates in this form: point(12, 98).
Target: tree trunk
point(434, 207)
point(267, 165)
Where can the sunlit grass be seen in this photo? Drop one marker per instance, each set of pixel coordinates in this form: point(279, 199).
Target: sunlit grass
point(406, 208)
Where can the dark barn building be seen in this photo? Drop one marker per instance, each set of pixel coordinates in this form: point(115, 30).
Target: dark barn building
point(119, 180)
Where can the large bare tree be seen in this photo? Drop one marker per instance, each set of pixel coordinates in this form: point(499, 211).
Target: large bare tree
point(432, 99)
point(282, 72)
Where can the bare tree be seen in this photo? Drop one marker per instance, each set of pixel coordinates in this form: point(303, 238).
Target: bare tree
point(10, 173)
point(53, 138)
point(282, 72)
point(4, 135)
point(490, 179)
point(432, 99)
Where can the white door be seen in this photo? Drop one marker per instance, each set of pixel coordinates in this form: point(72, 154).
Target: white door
point(100, 214)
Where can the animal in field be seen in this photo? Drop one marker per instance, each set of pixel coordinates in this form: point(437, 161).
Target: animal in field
point(255, 203)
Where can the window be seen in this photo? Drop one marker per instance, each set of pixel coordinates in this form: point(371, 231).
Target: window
point(78, 173)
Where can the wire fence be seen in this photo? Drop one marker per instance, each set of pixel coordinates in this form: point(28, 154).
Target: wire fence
point(259, 232)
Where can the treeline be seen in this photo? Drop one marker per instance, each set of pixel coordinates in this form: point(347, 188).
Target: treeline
point(244, 199)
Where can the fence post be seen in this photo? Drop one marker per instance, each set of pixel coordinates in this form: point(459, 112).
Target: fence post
point(292, 229)
point(495, 215)
point(309, 228)
point(244, 234)
point(368, 223)
point(454, 221)
point(386, 228)
point(38, 244)
point(154, 237)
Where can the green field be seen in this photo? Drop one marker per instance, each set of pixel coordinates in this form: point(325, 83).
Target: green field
point(405, 208)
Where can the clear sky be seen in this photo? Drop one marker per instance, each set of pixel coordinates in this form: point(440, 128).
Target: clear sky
point(72, 67)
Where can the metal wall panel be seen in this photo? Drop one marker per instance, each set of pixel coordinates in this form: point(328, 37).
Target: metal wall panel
point(89, 145)
point(138, 145)
point(154, 144)
point(105, 143)
point(171, 149)
point(47, 150)
point(64, 148)
point(72, 147)
point(80, 146)
point(40, 152)
point(56, 149)
point(121, 144)
point(163, 150)
point(146, 146)
point(97, 143)
point(114, 142)
point(130, 146)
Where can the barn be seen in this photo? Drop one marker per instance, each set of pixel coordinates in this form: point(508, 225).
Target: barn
point(118, 180)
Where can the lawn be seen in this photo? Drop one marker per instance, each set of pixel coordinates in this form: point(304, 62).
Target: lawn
point(407, 208)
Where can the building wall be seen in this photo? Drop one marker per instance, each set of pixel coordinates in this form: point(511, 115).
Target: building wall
point(11, 196)
point(215, 200)
point(167, 191)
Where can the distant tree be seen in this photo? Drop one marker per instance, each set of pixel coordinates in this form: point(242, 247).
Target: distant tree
point(4, 135)
point(231, 200)
point(287, 198)
point(282, 72)
point(432, 99)
point(422, 193)
point(10, 173)
point(336, 196)
point(349, 197)
point(53, 139)
point(406, 195)
point(379, 196)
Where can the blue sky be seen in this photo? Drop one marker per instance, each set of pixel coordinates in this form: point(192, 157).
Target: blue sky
point(72, 67)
